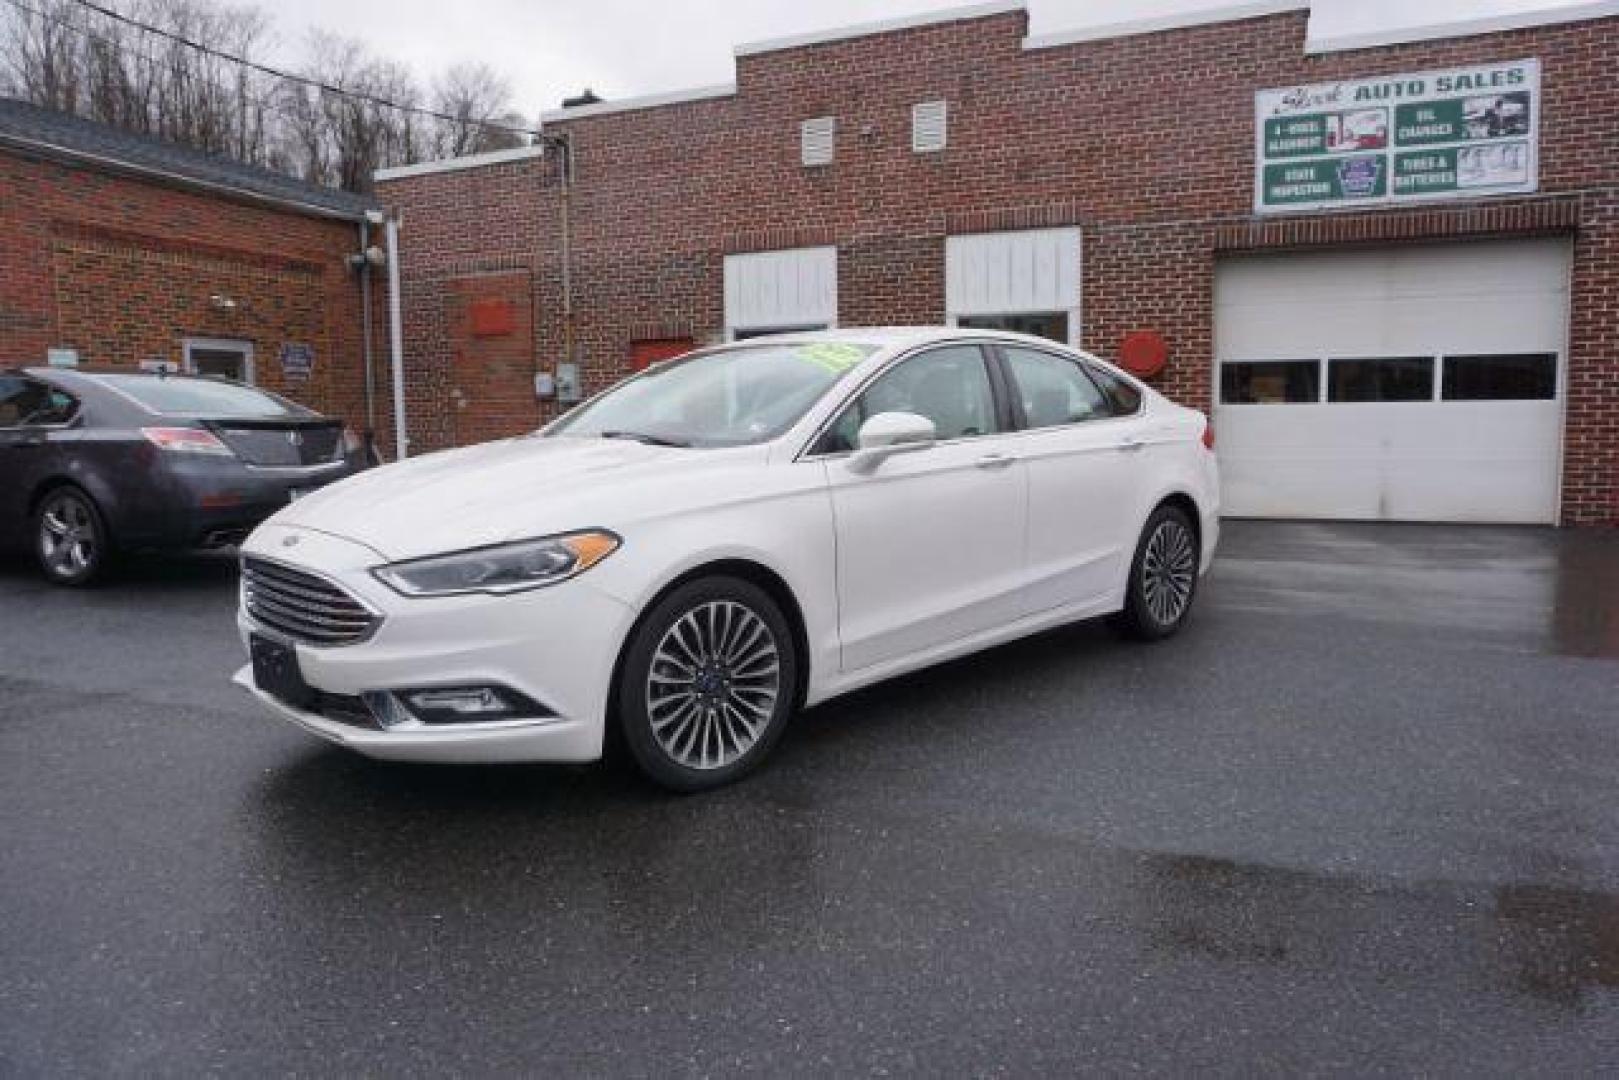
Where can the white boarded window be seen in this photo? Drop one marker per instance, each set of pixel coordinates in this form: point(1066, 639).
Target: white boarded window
point(777, 291)
point(1032, 272)
point(815, 137)
point(929, 127)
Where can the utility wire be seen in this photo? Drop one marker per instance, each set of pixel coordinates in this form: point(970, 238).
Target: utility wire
point(274, 72)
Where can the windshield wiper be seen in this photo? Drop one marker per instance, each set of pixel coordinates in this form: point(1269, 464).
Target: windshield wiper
point(643, 437)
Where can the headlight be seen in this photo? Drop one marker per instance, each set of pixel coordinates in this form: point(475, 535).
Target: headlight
point(503, 568)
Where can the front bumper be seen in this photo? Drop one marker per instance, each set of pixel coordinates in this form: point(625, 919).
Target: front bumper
point(557, 645)
point(550, 739)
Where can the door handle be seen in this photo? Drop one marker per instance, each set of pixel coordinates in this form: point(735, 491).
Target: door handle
point(1130, 444)
point(994, 461)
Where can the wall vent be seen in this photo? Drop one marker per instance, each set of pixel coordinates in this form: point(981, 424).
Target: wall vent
point(816, 140)
point(929, 127)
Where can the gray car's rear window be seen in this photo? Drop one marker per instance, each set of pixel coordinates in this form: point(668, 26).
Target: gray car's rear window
point(200, 397)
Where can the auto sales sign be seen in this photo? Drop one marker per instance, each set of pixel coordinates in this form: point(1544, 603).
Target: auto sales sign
point(1452, 134)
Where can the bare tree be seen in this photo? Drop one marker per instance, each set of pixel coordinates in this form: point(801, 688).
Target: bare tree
point(478, 104)
point(356, 117)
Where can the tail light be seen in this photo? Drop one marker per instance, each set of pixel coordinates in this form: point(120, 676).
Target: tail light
point(349, 445)
point(185, 440)
point(1208, 433)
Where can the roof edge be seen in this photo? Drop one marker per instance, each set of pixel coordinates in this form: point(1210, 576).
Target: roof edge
point(880, 26)
point(1456, 28)
point(456, 164)
point(45, 148)
point(643, 101)
point(1252, 9)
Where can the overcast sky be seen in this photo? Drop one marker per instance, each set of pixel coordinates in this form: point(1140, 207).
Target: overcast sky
point(552, 48)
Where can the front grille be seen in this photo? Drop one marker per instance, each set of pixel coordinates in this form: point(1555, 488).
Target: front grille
point(302, 606)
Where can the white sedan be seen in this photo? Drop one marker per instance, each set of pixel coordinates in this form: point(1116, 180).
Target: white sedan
point(686, 559)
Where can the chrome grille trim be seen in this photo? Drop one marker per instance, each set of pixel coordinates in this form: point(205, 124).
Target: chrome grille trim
point(302, 606)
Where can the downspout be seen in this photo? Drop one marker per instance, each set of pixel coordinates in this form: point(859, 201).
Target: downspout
point(396, 345)
point(365, 338)
point(566, 146)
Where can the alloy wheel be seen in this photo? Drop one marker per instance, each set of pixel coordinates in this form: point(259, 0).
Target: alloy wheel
point(1168, 570)
point(68, 540)
point(713, 683)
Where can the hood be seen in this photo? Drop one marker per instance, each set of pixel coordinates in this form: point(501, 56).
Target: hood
point(486, 494)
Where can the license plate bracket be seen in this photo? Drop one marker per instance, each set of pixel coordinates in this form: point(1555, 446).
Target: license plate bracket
point(276, 672)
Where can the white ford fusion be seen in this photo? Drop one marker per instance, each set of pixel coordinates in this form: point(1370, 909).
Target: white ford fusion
point(686, 559)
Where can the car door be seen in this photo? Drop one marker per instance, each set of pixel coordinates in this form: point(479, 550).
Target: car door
point(25, 404)
point(930, 543)
point(1083, 455)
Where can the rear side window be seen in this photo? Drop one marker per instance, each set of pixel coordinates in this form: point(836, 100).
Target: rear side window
point(1126, 398)
point(201, 397)
point(1054, 390)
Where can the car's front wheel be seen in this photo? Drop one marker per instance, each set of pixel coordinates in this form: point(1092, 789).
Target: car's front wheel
point(70, 537)
point(708, 684)
point(1163, 576)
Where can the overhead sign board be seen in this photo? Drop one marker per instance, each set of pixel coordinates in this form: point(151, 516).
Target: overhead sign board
point(1452, 134)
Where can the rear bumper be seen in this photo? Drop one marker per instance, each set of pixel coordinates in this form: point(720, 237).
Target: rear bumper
point(210, 503)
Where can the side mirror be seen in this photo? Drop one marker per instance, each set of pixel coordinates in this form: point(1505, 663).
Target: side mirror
point(886, 434)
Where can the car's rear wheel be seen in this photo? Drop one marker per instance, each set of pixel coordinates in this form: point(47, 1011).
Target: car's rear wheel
point(708, 684)
point(70, 537)
point(1163, 576)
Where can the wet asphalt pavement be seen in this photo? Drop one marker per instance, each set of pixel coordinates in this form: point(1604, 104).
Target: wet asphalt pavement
point(1361, 817)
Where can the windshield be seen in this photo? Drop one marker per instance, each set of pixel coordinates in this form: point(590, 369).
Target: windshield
point(201, 397)
point(734, 397)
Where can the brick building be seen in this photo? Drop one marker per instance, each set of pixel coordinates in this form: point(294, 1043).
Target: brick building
point(126, 250)
point(1388, 266)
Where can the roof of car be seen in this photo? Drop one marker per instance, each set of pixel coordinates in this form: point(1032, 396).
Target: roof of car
point(885, 337)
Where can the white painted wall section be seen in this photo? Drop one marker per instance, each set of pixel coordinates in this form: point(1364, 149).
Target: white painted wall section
point(1014, 273)
point(772, 290)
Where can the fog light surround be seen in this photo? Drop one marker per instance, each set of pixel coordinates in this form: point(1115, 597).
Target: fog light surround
point(444, 706)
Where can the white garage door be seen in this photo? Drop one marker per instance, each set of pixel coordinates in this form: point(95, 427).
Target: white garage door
point(1409, 384)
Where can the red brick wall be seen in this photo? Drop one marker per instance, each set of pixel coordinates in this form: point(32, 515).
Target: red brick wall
point(123, 270)
point(1145, 142)
point(466, 225)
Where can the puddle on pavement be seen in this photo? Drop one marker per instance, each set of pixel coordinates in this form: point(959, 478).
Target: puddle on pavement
point(1554, 589)
point(1585, 614)
point(1553, 943)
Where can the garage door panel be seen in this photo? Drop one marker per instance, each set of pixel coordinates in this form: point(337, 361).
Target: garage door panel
point(1407, 460)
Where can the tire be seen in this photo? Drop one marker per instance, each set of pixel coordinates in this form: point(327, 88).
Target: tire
point(1163, 577)
point(707, 685)
point(71, 541)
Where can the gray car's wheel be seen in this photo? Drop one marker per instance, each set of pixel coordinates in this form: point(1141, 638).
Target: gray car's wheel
point(1163, 576)
point(70, 537)
point(707, 684)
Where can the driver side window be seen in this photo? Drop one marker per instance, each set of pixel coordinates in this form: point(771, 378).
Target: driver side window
point(25, 402)
point(949, 386)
